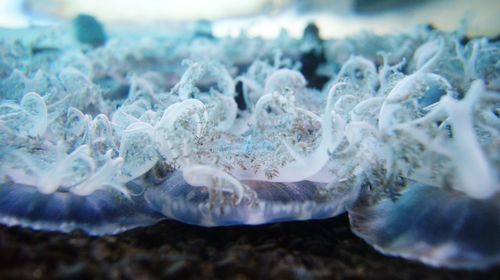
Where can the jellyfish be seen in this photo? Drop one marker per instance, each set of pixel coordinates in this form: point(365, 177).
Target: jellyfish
point(62, 174)
point(409, 151)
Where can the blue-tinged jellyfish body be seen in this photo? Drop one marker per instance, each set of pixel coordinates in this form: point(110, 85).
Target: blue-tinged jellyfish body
point(272, 202)
point(437, 226)
point(102, 212)
point(134, 130)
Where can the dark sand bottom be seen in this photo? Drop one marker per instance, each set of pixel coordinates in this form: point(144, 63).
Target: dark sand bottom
point(297, 250)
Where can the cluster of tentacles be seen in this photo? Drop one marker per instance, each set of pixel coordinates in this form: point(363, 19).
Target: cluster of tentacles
point(404, 135)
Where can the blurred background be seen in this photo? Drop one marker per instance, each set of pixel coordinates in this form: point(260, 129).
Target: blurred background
point(266, 18)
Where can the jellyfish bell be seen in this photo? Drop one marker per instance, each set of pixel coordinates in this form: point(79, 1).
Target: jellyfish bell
point(258, 202)
point(71, 194)
point(440, 227)
point(99, 213)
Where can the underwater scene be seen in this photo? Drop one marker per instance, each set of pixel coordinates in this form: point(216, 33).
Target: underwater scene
point(257, 140)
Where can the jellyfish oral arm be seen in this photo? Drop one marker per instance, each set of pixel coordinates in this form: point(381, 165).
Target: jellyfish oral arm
point(304, 167)
point(478, 180)
point(198, 175)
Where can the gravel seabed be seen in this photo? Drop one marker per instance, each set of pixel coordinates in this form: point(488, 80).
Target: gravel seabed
point(325, 249)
